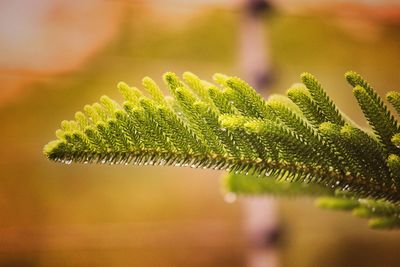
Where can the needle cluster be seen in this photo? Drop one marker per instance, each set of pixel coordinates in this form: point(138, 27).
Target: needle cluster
point(301, 140)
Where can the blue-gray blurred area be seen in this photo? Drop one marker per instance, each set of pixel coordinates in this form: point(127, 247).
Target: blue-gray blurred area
point(57, 56)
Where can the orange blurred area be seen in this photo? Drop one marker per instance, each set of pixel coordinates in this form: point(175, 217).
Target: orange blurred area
point(57, 56)
point(43, 38)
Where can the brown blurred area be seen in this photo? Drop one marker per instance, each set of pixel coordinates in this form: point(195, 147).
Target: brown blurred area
point(56, 56)
point(42, 38)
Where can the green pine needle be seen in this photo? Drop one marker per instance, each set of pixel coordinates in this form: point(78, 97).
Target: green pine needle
point(302, 141)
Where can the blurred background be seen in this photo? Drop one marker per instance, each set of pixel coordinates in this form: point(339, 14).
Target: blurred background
point(58, 55)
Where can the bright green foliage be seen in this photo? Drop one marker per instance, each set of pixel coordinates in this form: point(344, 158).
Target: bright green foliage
point(301, 142)
point(337, 203)
point(325, 104)
point(250, 185)
point(394, 99)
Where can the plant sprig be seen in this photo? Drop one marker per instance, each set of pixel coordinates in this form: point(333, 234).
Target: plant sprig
point(301, 139)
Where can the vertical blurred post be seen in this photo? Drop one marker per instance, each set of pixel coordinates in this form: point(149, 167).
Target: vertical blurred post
point(260, 214)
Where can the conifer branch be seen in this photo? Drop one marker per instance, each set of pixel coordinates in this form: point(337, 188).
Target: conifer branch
point(302, 141)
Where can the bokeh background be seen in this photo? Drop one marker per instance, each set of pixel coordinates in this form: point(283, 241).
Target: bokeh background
point(58, 55)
